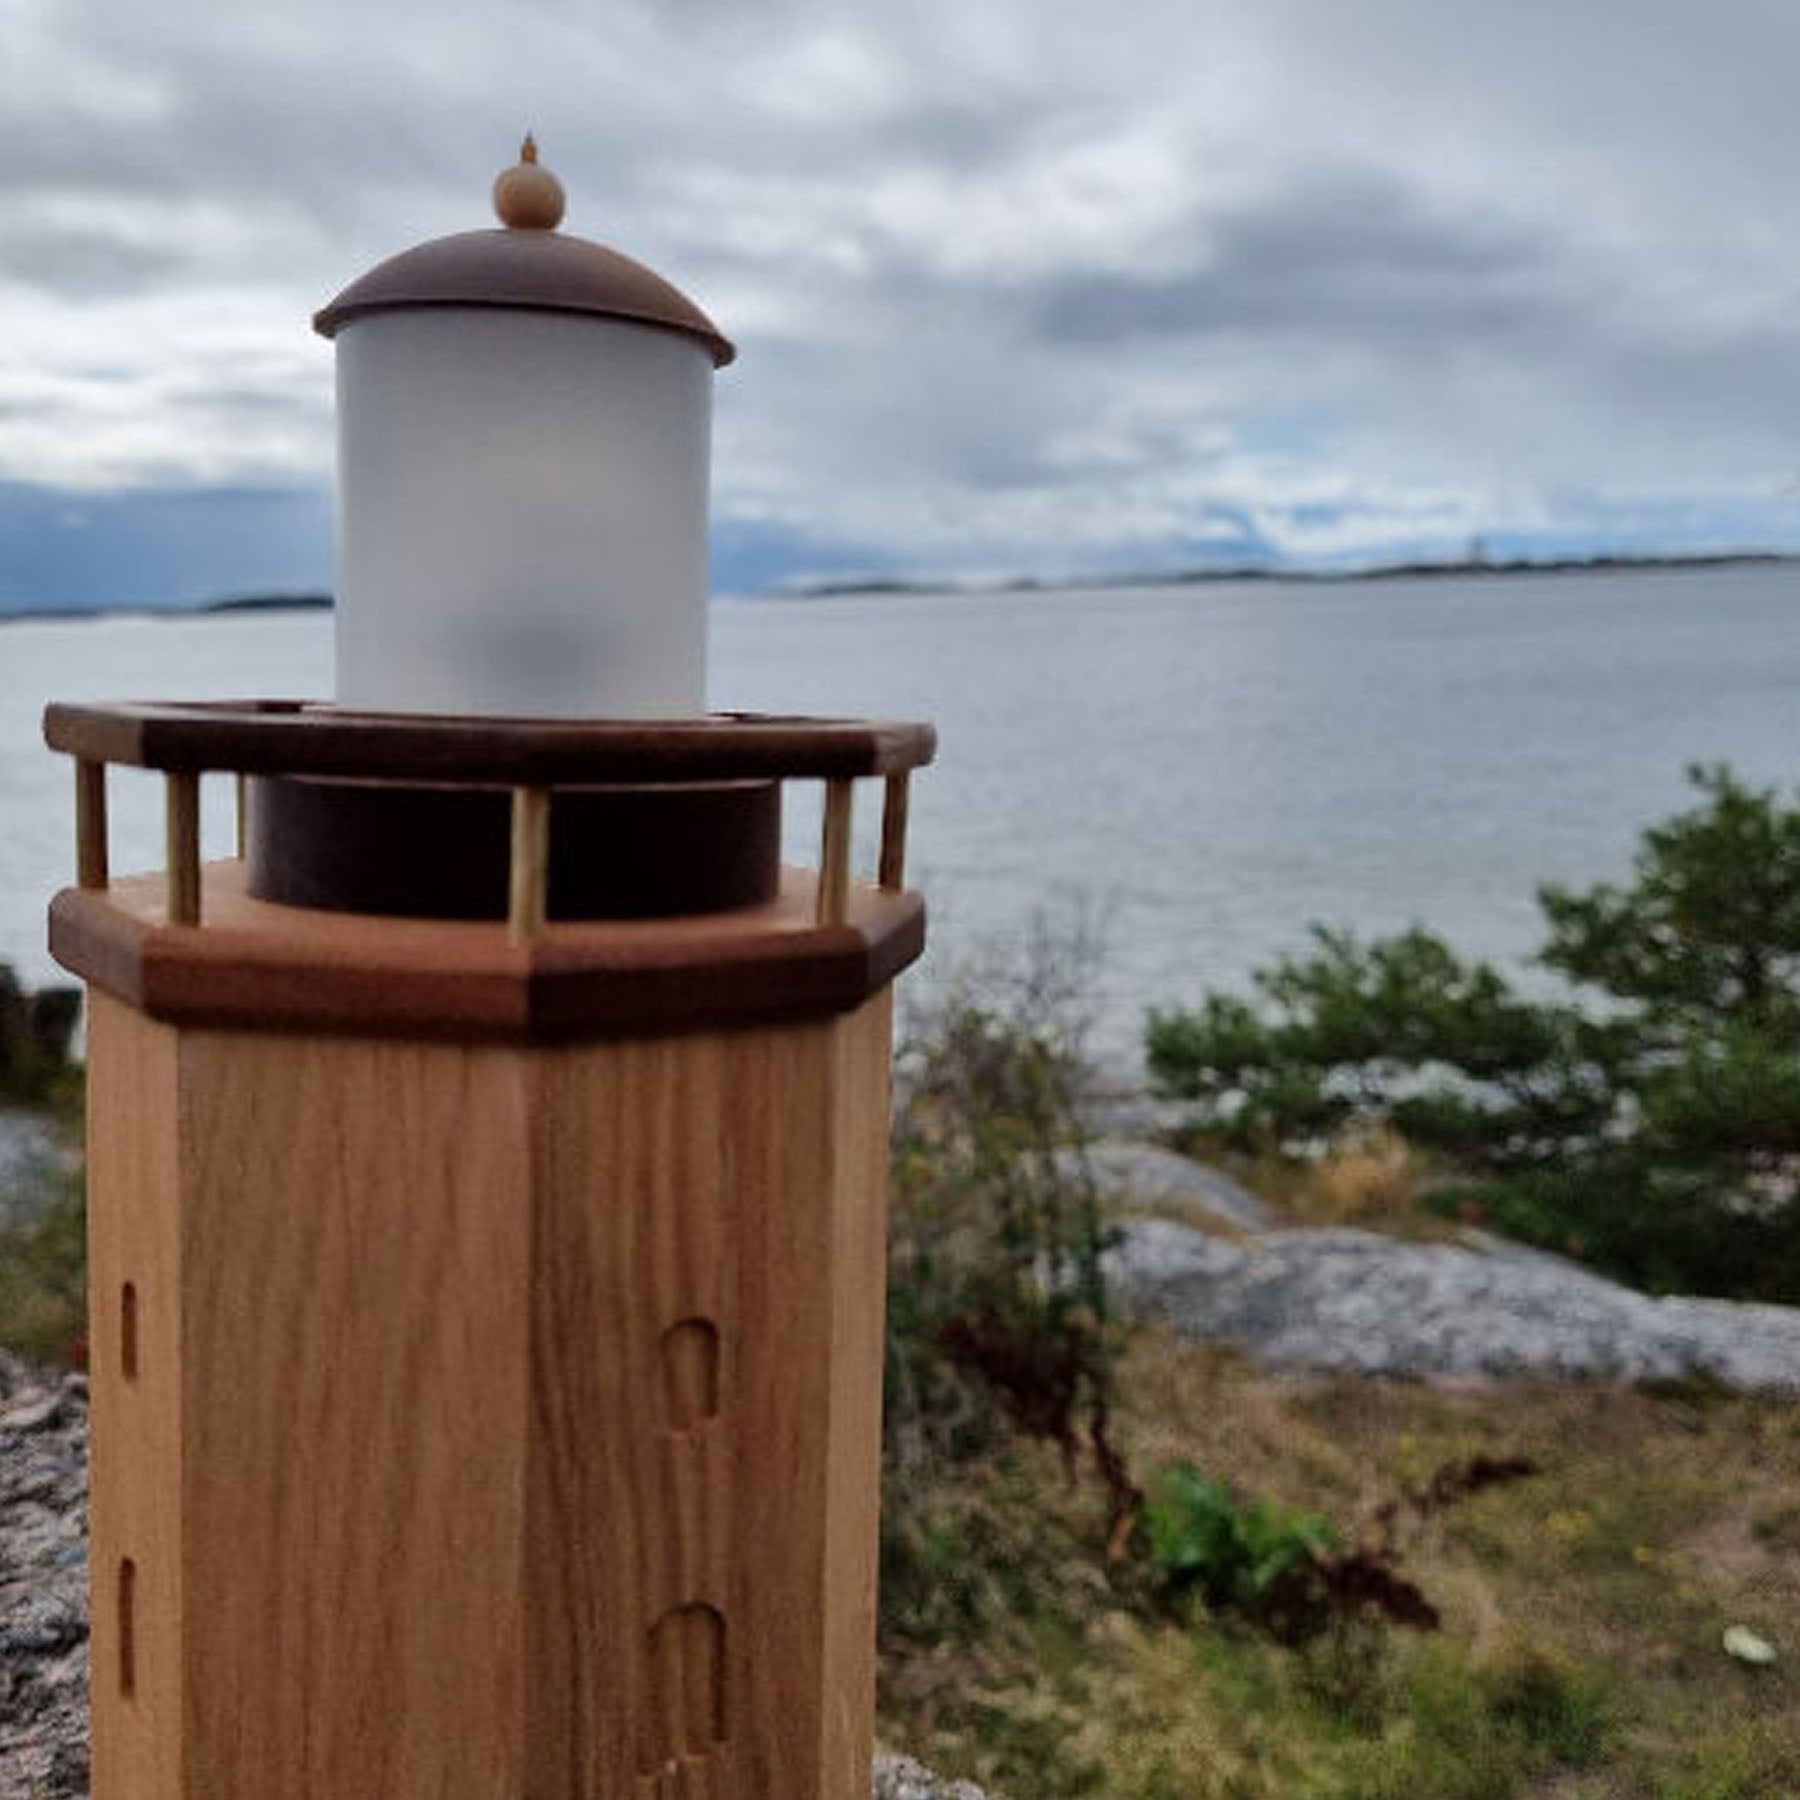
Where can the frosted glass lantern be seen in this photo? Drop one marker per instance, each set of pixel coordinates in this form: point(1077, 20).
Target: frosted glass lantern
point(524, 426)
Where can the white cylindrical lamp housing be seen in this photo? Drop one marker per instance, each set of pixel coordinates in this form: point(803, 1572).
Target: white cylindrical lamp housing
point(524, 426)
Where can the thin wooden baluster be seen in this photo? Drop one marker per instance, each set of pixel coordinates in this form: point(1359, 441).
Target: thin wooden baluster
point(90, 824)
point(529, 904)
point(893, 832)
point(181, 793)
point(834, 854)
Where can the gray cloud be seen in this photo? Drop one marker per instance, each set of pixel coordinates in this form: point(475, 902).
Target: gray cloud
point(1048, 284)
point(82, 262)
point(1358, 257)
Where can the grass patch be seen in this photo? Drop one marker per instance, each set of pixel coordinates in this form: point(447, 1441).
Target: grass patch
point(1366, 1178)
point(1778, 1526)
point(1583, 1607)
point(43, 1224)
point(43, 1279)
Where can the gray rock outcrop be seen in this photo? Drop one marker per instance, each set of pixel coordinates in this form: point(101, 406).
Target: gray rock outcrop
point(43, 1585)
point(900, 1778)
point(1143, 1177)
point(1354, 1301)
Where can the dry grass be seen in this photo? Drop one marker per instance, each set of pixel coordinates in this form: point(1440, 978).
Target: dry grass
point(1583, 1608)
point(1370, 1178)
point(1364, 1178)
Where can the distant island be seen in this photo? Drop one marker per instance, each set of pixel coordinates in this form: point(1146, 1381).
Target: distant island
point(179, 609)
point(877, 586)
point(268, 603)
point(1289, 572)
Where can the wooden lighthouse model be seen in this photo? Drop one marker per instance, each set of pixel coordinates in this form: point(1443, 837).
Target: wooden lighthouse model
point(487, 1164)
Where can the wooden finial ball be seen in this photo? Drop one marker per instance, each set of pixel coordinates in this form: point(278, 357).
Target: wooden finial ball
point(527, 196)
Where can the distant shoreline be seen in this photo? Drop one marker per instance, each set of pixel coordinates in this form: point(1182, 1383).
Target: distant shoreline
point(1295, 574)
point(874, 587)
point(233, 603)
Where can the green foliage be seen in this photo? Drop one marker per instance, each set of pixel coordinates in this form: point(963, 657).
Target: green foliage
point(35, 1033)
point(1579, 1652)
point(1779, 1526)
point(1400, 1027)
point(43, 1280)
point(1466, 1731)
point(979, 1560)
point(998, 1316)
point(43, 1237)
point(1708, 935)
point(1755, 1762)
point(998, 1322)
point(1654, 1130)
point(1249, 1557)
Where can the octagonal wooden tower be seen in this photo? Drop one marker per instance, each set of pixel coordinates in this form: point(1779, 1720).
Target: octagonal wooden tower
point(486, 1311)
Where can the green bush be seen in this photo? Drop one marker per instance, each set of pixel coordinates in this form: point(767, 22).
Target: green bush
point(43, 1237)
point(999, 1331)
point(36, 1031)
point(43, 1281)
point(998, 1317)
point(1246, 1556)
point(1650, 1124)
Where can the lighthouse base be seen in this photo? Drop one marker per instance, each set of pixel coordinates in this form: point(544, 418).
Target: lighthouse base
point(484, 1417)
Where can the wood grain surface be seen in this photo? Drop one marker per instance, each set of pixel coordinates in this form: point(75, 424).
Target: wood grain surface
point(356, 1226)
point(135, 1377)
point(715, 1636)
point(290, 968)
point(505, 1419)
point(286, 737)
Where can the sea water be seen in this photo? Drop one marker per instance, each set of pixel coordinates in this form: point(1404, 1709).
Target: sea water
point(1188, 774)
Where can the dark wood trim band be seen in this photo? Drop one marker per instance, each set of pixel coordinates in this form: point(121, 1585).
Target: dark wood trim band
point(275, 737)
point(258, 966)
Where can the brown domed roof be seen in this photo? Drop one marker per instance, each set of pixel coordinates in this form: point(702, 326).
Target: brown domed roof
point(525, 266)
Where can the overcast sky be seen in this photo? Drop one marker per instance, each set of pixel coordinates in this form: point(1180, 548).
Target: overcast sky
point(1047, 285)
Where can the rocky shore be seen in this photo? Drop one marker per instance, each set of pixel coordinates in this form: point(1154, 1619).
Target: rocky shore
point(1353, 1301)
point(1205, 1256)
point(43, 1585)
